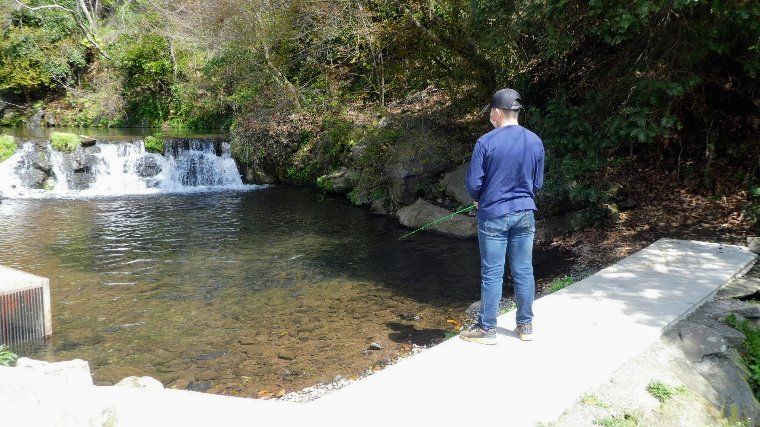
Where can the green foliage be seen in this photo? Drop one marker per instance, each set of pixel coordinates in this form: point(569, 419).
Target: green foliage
point(626, 420)
point(7, 358)
point(65, 142)
point(39, 51)
point(750, 350)
point(148, 73)
point(7, 147)
point(561, 283)
point(154, 144)
point(662, 392)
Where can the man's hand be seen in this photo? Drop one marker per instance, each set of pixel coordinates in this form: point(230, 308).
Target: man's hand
point(476, 204)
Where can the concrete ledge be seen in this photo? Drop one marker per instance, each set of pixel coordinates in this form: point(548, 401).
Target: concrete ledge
point(583, 334)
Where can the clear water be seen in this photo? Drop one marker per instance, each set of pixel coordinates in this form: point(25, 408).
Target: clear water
point(238, 292)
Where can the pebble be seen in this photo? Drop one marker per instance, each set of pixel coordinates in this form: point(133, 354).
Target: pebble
point(375, 346)
point(312, 393)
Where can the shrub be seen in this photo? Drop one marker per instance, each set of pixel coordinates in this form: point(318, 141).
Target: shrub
point(6, 356)
point(154, 144)
point(662, 391)
point(65, 142)
point(7, 147)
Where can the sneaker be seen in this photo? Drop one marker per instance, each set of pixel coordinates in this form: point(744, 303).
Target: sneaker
point(479, 335)
point(524, 331)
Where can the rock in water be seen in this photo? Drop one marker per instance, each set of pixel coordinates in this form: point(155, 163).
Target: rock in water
point(422, 213)
point(754, 244)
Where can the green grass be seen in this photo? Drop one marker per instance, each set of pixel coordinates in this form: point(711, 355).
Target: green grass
point(7, 357)
point(627, 420)
point(561, 283)
point(750, 350)
point(662, 391)
point(7, 147)
point(64, 142)
point(154, 144)
point(593, 400)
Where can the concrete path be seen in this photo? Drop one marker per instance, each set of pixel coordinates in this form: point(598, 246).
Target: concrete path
point(582, 334)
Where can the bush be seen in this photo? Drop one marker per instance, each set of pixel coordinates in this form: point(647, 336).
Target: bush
point(7, 357)
point(7, 147)
point(65, 142)
point(154, 144)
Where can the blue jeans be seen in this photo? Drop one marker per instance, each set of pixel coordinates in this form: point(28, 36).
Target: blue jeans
point(509, 234)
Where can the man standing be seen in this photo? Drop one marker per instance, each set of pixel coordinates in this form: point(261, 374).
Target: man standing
point(507, 169)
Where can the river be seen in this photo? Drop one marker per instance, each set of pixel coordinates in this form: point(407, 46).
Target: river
point(238, 292)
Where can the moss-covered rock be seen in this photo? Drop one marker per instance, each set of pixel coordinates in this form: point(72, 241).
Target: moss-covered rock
point(64, 142)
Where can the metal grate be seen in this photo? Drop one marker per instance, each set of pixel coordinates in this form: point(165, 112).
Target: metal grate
point(25, 319)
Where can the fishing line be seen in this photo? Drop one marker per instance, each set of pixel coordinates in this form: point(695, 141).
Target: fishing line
point(465, 209)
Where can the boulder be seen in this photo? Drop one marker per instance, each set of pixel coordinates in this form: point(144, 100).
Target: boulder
point(413, 166)
point(739, 288)
point(80, 166)
point(86, 141)
point(253, 175)
point(754, 244)
point(748, 311)
point(454, 184)
point(147, 166)
point(37, 120)
point(728, 377)
point(31, 177)
point(422, 213)
point(74, 372)
point(698, 341)
point(340, 181)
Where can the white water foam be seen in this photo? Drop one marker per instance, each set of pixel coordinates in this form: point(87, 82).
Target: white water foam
point(189, 166)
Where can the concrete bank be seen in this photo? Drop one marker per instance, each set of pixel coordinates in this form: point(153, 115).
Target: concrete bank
point(583, 334)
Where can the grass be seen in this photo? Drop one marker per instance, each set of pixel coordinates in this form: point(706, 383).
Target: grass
point(7, 147)
point(626, 420)
point(7, 358)
point(561, 283)
point(750, 350)
point(64, 142)
point(592, 400)
point(154, 144)
point(662, 391)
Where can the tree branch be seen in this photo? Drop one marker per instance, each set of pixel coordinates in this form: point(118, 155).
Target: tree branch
point(85, 30)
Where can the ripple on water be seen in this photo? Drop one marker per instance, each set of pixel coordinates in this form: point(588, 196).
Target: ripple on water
point(237, 292)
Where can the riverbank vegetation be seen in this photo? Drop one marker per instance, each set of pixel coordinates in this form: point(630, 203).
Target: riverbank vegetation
point(7, 146)
point(307, 88)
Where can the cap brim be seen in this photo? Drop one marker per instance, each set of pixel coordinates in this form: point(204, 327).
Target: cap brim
point(486, 109)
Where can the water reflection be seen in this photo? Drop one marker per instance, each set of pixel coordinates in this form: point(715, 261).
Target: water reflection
point(283, 287)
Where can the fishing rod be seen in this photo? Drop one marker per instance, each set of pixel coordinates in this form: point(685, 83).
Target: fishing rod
point(465, 209)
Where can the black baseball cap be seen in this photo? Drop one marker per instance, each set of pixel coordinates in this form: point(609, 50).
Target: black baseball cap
point(506, 99)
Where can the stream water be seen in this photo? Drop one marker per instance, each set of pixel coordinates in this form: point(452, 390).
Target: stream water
point(237, 292)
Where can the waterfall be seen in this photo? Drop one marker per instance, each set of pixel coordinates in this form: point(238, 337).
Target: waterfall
point(120, 168)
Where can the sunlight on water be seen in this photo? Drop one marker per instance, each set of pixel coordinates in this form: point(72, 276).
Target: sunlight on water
point(236, 292)
point(124, 168)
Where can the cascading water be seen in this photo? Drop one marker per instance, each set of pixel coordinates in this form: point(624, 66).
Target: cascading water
point(120, 168)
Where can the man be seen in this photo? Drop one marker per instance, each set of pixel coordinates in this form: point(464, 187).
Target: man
point(507, 169)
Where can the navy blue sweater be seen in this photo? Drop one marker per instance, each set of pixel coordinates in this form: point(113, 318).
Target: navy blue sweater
point(507, 169)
